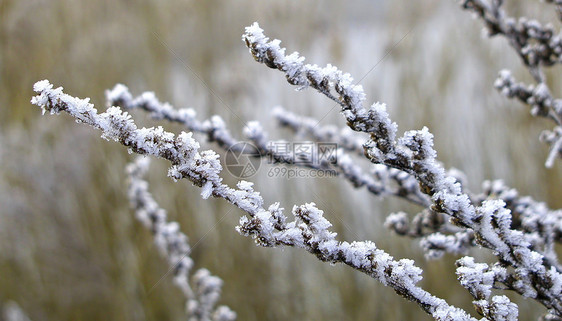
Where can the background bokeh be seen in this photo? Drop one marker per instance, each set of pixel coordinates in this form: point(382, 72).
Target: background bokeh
point(70, 247)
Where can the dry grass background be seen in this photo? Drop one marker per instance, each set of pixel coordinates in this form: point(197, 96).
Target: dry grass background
point(70, 248)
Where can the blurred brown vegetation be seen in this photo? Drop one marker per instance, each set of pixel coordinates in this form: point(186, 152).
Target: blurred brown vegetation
point(70, 248)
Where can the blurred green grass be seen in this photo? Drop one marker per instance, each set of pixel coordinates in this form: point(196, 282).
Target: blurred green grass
point(70, 248)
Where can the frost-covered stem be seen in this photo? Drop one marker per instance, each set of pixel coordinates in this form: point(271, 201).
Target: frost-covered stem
point(173, 244)
point(435, 245)
point(422, 224)
point(538, 46)
point(414, 154)
point(538, 97)
point(310, 231)
point(214, 128)
point(479, 280)
point(216, 131)
point(542, 105)
point(541, 225)
point(268, 227)
point(406, 186)
point(554, 139)
point(202, 169)
point(378, 184)
point(344, 137)
point(437, 235)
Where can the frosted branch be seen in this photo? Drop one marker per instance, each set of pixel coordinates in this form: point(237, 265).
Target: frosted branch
point(479, 280)
point(405, 186)
point(344, 137)
point(542, 226)
point(542, 104)
point(173, 244)
point(437, 236)
point(538, 46)
point(437, 244)
point(216, 131)
point(554, 139)
point(538, 97)
point(414, 154)
point(309, 230)
point(422, 224)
